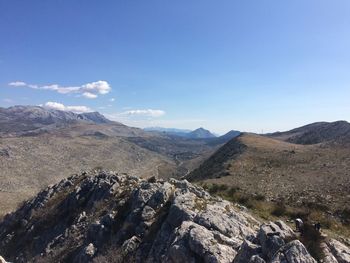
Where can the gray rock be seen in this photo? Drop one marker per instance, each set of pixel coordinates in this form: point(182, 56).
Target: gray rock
point(247, 251)
point(270, 239)
point(294, 252)
point(256, 259)
point(328, 256)
point(339, 251)
point(130, 245)
point(86, 254)
point(143, 221)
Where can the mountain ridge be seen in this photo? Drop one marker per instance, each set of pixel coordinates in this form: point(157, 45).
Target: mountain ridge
point(318, 132)
point(21, 119)
point(109, 217)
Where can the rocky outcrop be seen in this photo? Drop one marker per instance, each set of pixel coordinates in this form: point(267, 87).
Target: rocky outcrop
point(338, 251)
point(108, 217)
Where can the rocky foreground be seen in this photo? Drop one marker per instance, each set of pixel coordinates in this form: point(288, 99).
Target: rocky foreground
point(107, 217)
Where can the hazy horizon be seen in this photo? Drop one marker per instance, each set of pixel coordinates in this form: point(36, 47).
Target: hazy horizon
point(250, 66)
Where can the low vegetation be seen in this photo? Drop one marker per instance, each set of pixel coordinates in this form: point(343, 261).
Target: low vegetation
point(269, 210)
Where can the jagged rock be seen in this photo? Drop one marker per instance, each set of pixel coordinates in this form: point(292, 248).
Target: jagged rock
point(86, 254)
point(270, 237)
point(256, 259)
point(130, 245)
point(328, 256)
point(339, 251)
point(294, 252)
point(248, 251)
point(203, 244)
point(109, 215)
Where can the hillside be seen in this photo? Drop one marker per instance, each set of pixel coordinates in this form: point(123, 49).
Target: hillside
point(297, 174)
point(107, 217)
point(43, 146)
point(318, 132)
point(31, 163)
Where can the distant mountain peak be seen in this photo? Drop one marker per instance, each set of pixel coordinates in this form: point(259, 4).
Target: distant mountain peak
point(28, 118)
point(201, 133)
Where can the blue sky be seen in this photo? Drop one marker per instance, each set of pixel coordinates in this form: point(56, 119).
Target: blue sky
point(247, 65)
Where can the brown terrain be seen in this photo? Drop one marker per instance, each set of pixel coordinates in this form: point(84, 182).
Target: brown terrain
point(281, 170)
point(303, 172)
point(39, 147)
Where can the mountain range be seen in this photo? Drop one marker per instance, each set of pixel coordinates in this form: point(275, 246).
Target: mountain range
point(305, 167)
point(40, 146)
point(199, 133)
point(299, 173)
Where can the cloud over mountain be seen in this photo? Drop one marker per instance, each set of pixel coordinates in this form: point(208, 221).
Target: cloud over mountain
point(89, 90)
point(146, 113)
point(59, 106)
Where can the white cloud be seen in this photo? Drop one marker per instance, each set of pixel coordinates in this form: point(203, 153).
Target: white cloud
point(147, 113)
point(112, 99)
point(59, 106)
point(88, 90)
point(89, 95)
point(7, 100)
point(18, 84)
point(101, 87)
point(137, 118)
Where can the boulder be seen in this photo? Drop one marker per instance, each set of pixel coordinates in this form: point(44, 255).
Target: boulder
point(196, 242)
point(294, 252)
point(86, 254)
point(339, 251)
point(248, 251)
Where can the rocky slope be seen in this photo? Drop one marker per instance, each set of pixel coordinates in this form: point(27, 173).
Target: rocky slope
point(108, 217)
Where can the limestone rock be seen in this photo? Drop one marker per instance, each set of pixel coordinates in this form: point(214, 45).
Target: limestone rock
point(248, 251)
point(86, 254)
point(339, 251)
point(294, 252)
point(108, 215)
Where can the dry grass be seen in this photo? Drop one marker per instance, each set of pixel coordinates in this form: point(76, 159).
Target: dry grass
point(297, 174)
point(36, 162)
point(270, 211)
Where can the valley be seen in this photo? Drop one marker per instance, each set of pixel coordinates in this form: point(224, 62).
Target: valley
point(285, 175)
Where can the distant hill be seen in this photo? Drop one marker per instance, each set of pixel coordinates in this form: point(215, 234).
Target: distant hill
point(316, 133)
point(170, 131)
point(279, 170)
point(201, 133)
point(224, 138)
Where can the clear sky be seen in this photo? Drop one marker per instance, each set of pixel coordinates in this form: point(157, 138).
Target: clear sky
point(248, 65)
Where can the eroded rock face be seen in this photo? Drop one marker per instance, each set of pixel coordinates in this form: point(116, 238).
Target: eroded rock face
point(108, 217)
point(339, 251)
point(295, 252)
